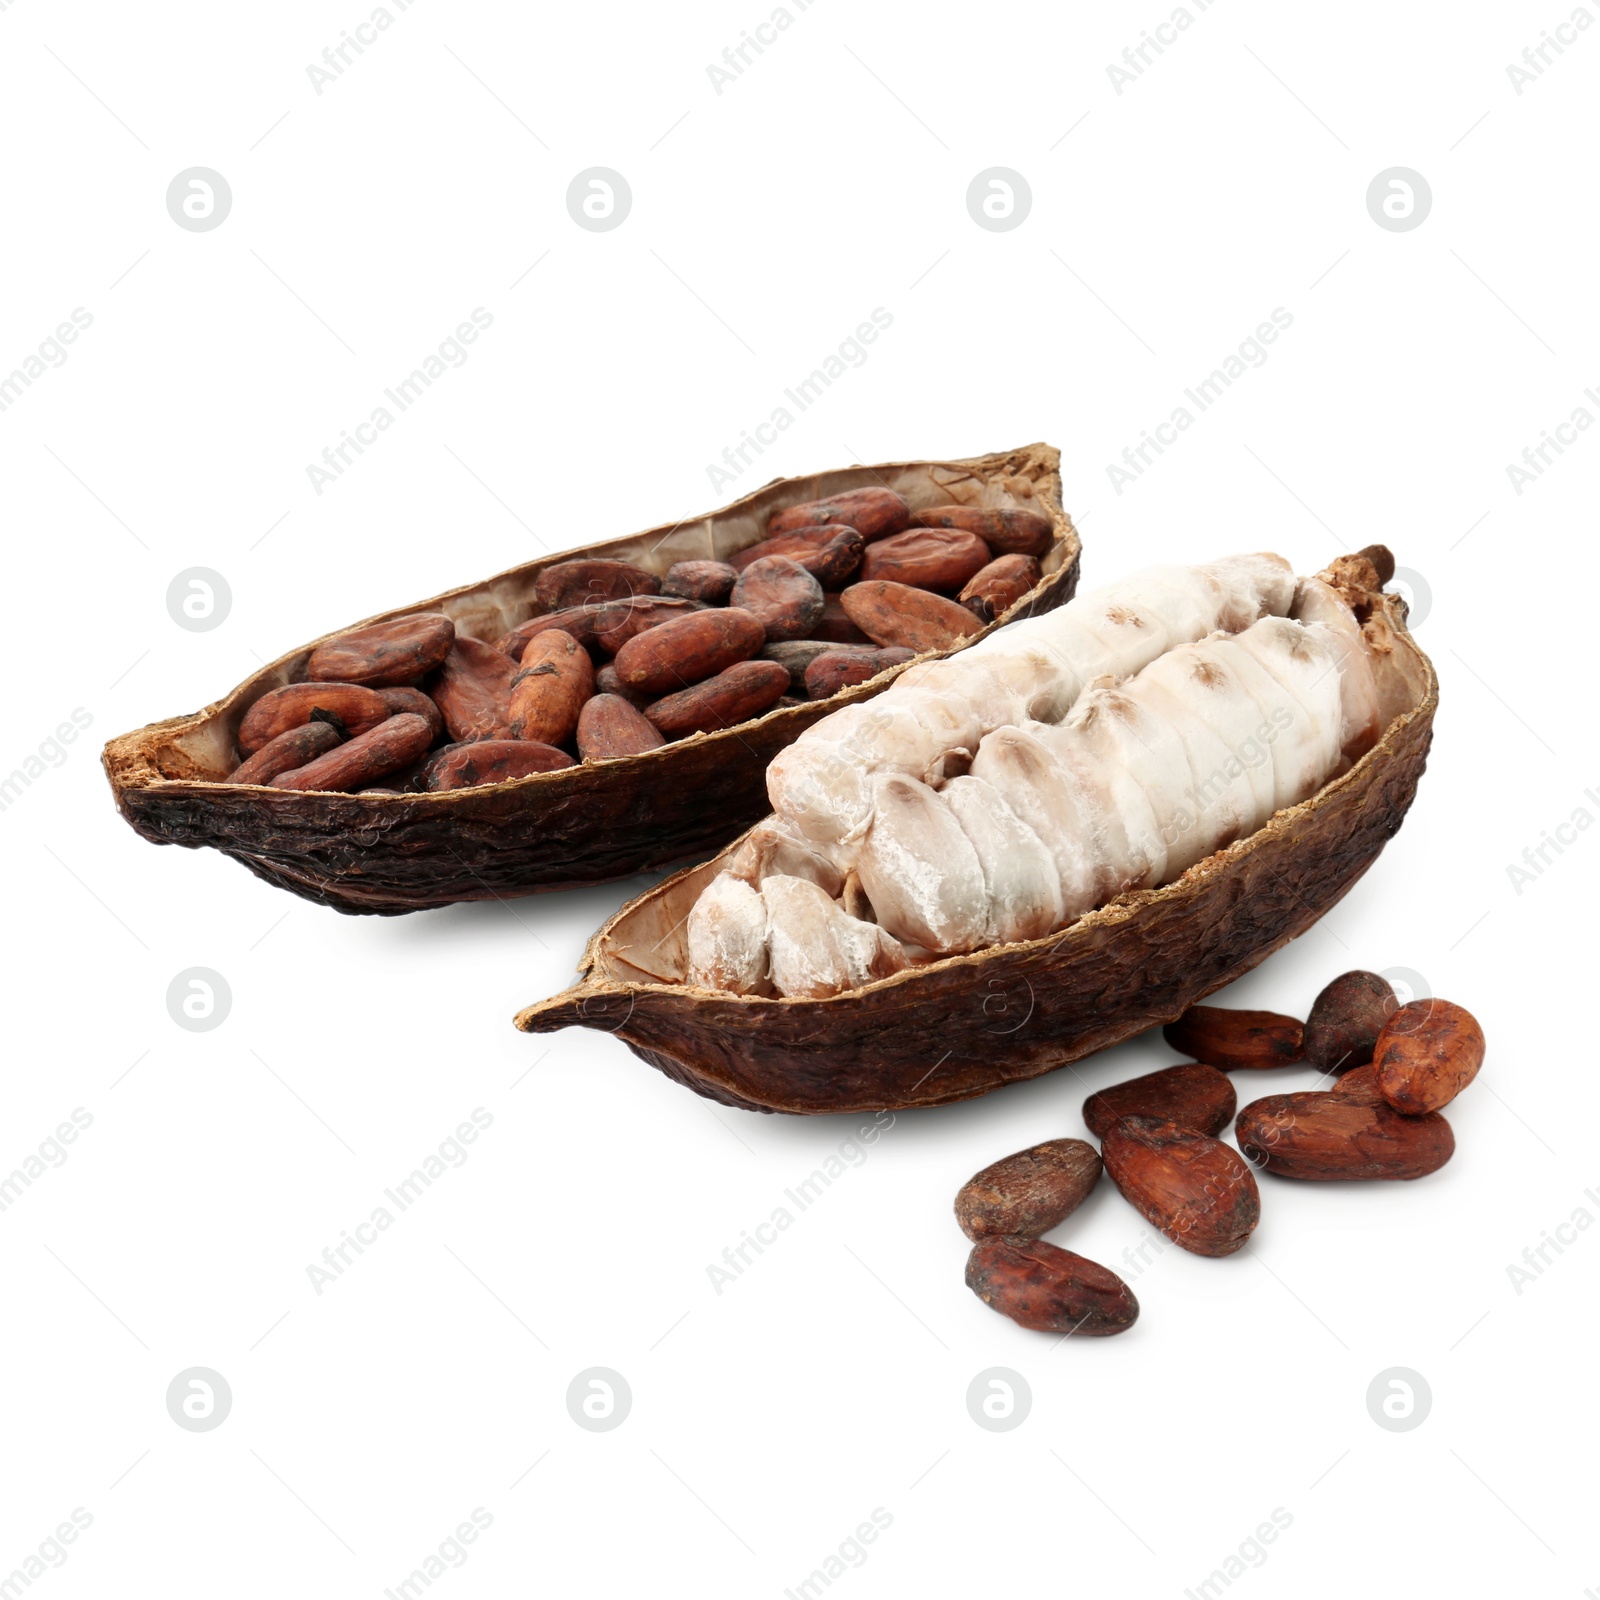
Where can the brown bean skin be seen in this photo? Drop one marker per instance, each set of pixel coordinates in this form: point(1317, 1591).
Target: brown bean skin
point(384, 654)
point(941, 559)
point(993, 590)
point(871, 512)
point(621, 620)
point(831, 554)
point(1341, 1136)
point(582, 622)
point(680, 653)
point(1346, 1019)
point(374, 754)
point(1008, 531)
point(294, 747)
point(1237, 1040)
point(709, 582)
point(836, 627)
point(1050, 1290)
point(894, 614)
point(473, 691)
point(744, 690)
point(798, 654)
point(587, 582)
point(842, 669)
point(1191, 1095)
point(606, 681)
point(1428, 1052)
point(782, 594)
point(610, 727)
point(549, 691)
point(1029, 1193)
point(1195, 1189)
point(468, 766)
point(415, 701)
point(355, 708)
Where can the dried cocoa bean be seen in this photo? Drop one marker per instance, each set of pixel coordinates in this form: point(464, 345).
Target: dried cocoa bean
point(1223, 1037)
point(416, 702)
point(1008, 531)
point(548, 692)
point(393, 744)
point(830, 554)
point(582, 622)
point(798, 654)
point(993, 590)
point(799, 545)
point(610, 726)
point(710, 582)
point(894, 614)
point(1195, 1189)
point(466, 766)
point(294, 747)
point(1428, 1052)
point(1048, 1289)
point(942, 559)
point(473, 690)
point(1029, 1193)
point(1193, 1096)
point(1359, 1086)
point(741, 692)
point(782, 594)
point(1341, 1135)
point(352, 707)
point(871, 512)
point(386, 653)
point(587, 582)
point(839, 669)
point(1346, 1019)
point(606, 681)
point(694, 647)
point(835, 626)
point(621, 620)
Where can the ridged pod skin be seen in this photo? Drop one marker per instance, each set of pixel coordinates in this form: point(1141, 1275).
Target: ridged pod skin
point(1196, 1190)
point(1223, 1037)
point(1192, 1095)
point(1030, 1192)
point(1341, 1135)
point(1428, 1052)
point(1050, 1290)
point(1346, 1019)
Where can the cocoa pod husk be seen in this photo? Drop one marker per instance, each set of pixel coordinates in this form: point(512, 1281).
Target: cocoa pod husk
point(1007, 531)
point(1192, 1095)
point(841, 669)
point(1196, 1190)
point(1028, 1193)
point(549, 690)
point(710, 582)
point(473, 691)
point(588, 582)
point(873, 513)
point(618, 621)
point(416, 702)
point(836, 626)
point(393, 744)
point(1346, 1019)
point(467, 766)
point(606, 681)
point(1235, 1040)
point(690, 649)
point(402, 650)
point(941, 559)
point(609, 727)
point(782, 595)
point(895, 614)
point(294, 747)
point(1049, 1289)
point(1428, 1052)
point(1340, 1135)
point(994, 589)
point(742, 691)
point(352, 707)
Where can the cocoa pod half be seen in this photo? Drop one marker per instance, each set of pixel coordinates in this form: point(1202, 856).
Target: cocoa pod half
point(1428, 1052)
point(374, 754)
point(1048, 1289)
point(466, 766)
point(743, 691)
point(709, 582)
point(351, 706)
point(294, 747)
point(1192, 1095)
point(1346, 1019)
point(942, 559)
point(1029, 1193)
point(577, 583)
point(1195, 1189)
point(1223, 1037)
point(549, 691)
point(871, 512)
point(414, 700)
point(1006, 532)
point(839, 669)
point(473, 690)
point(610, 726)
point(1340, 1135)
point(782, 595)
point(386, 653)
point(694, 647)
point(894, 614)
point(994, 589)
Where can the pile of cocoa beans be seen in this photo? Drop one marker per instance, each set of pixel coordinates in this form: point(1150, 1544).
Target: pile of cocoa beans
point(616, 661)
point(1392, 1068)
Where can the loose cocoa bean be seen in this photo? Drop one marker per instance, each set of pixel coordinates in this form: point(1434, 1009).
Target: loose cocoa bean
point(1359, 1086)
point(621, 620)
point(473, 690)
point(839, 669)
point(610, 727)
point(416, 702)
point(393, 744)
point(582, 622)
point(694, 647)
point(871, 512)
point(782, 594)
point(1048, 1289)
point(835, 626)
point(466, 766)
point(1008, 531)
point(798, 545)
point(1346, 1019)
point(942, 559)
point(385, 653)
point(606, 681)
point(733, 696)
point(798, 654)
point(707, 581)
point(1191, 1095)
point(830, 554)
point(586, 582)
point(351, 706)
point(294, 747)
point(1340, 1135)
point(1029, 1193)
point(1428, 1052)
point(993, 590)
point(547, 694)
point(1223, 1037)
point(1195, 1189)
point(893, 614)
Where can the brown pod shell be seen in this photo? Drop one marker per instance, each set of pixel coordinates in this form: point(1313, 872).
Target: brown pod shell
point(1234, 1040)
point(782, 594)
point(871, 512)
point(1428, 1052)
point(1341, 1136)
point(942, 559)
point(1192, 1095)
point(352, 706)
point(1006, 531)
point(469, 766)
point(839, 669)
point(1198, 1191)
point(1029, 1193)
point(473, 690)
point(621, 620)
point(743, 691)
point(836, 626)
point(610, 726)
point(383, 654)
point(694, 647)
point(588, 582)
point(606, 681)
point(294, 747)
point(416, 702)
point(709, 582)
point(393, 744)
point(1050, 1290)
point(548, 692)
point(896, 614)
point(994, 589)
point(1346, 1019)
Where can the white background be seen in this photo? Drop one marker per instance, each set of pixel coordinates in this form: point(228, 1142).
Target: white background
point(768, 220)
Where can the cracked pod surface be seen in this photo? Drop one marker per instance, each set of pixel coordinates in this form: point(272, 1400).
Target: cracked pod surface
point(391, 853)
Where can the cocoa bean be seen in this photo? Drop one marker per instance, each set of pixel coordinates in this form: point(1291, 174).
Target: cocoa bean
point(893, 614)
point(582, 622)
point(871, 512)
point(415, 701)
point(798, 546)
point(835, 626)
point(610, 726)
point(606, 681)
point(839, 669)
point(1359, 1086)
point(1029, 1193)
point(942, 559)
point(1195, 1189)
point(993, 590)
point(294, 747)
point(618, 621)
point(473, 691)
point(351, 707)
point(798, 654)
point(1223, 1037)
point(556, 678)
point(466, 766)
point(1008, 531)
point(1193, 1096)
point(707, 581)
point(385, 653)
point(733, 696)
point(393, 744)
point(576, 583)
point(1049, 1289)
point(1340, 1135)
point(830, 554)
point(782, 595)
point(694, 647)
point(1428, 1052)
point(1346, 1019)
